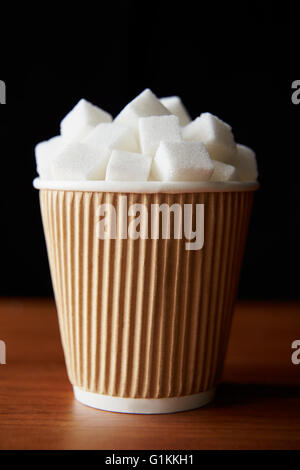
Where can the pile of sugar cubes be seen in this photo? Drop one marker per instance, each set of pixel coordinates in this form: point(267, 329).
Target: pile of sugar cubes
point(151, 139)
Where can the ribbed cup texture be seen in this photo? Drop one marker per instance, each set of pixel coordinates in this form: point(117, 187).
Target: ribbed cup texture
point(144, 318)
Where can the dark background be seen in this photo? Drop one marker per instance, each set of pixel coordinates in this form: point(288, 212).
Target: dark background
point(236, 60)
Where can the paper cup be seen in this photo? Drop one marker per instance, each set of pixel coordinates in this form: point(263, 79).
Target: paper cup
point(144, 322)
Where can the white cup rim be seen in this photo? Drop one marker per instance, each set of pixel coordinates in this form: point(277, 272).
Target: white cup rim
point(147, 186)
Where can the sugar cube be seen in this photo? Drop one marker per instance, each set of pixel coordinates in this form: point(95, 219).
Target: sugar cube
point(128, 166)
point(81, 120)
point(215, 134)
point(182, 161)
point(145, 104)
point(114, 136)
point(44, 153)
point(176, 106)
point(223, 172)
point(77, 161)
point(245, 162)
point(153, 129)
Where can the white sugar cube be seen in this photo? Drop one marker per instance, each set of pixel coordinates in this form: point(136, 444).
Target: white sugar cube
point(45, 152)
point(182, 161)
point(145, 104)
point(153, 129)
point(245, 162)
point(114, 136)
point(81, 120)
point(128, 166)
point(215, 134)
point(176, 106)
point(223, 172)
point(79, 162)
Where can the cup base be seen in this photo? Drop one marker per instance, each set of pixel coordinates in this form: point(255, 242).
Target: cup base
point(143, 405)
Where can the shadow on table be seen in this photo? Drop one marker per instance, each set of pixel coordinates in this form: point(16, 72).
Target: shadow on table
point(230, 394)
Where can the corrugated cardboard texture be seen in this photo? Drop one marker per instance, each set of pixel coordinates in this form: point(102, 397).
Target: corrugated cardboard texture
point(144, 318)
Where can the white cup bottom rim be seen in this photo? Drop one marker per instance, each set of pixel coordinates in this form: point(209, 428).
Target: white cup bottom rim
point(143, 405)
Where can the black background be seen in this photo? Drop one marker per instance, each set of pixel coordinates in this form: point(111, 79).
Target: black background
point(236, 60)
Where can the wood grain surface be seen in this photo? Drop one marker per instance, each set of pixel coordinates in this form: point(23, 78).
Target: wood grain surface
point(257, 405)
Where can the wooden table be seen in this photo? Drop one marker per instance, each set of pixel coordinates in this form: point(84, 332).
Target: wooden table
point(257, 406)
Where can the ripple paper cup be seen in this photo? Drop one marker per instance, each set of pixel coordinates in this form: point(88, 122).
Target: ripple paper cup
point(144, 322)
